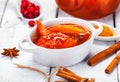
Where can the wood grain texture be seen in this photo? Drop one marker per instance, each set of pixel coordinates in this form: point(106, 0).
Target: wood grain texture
point(118, 27)
point(2, 9)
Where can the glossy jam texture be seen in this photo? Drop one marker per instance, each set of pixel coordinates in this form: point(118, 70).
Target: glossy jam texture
point(61, 36)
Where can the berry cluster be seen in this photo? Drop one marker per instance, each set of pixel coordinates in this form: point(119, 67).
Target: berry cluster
point(29, 9)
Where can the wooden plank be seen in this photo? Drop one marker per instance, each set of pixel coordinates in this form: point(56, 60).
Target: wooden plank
point(97, 71)
point(49, 9)
point(11, 17)
point(12, 31)
point(118, 17)
point(2, 9)
point(118, 27)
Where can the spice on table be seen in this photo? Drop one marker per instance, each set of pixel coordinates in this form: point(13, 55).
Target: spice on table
point(107, 32)
point(12, 52)
point(104, 54)
point(113, 64)
point(71, 76)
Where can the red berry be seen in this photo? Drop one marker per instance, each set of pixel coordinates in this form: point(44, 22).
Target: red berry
point(25, 14)
point(36, 13)
point(31, 9)
point(22, 10)
point(31, 4)
point(30, 16)
point(37, 7)
point(24, 4)
point(31, 23)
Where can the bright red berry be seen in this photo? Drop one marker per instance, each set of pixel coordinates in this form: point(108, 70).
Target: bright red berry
point(36, 13)
point(30, 16)
point(31, 23)
point(31, 4)
point(22, 10)
point(31, 9)
point(25, 14)
point(37, 7)
point(24, 4)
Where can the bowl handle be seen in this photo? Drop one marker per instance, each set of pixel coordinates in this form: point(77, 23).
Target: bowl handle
point(26, 49)
point(99, 29)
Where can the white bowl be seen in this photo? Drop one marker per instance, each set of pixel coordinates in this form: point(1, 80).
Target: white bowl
point(37, 2)
point(64, 56)
point(110, 38)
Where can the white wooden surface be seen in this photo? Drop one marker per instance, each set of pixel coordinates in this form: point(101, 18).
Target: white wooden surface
point(13, 29)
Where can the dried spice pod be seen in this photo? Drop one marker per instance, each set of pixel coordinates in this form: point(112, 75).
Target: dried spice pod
point(11, 52)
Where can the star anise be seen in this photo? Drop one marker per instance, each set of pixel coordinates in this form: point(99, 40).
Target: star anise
point(12, 52)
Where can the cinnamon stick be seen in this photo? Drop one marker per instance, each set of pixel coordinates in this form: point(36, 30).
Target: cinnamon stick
point(71, 73)
point(81, 79)
point(104, 54)
point(67, 70)
point(113, 64)
point(70, 76)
